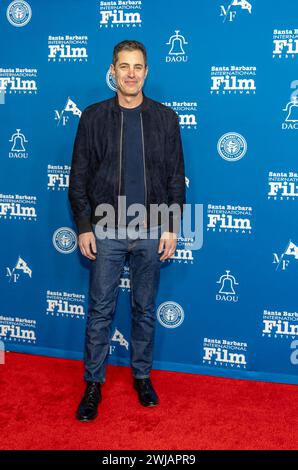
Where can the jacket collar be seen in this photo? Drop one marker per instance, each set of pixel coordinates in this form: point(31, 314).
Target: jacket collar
point(144, 105)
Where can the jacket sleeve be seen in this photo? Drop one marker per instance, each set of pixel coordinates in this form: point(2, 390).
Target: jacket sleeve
point(176, 174)
point(77, 192)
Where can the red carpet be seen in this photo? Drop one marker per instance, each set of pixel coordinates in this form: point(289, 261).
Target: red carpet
point(40, 396)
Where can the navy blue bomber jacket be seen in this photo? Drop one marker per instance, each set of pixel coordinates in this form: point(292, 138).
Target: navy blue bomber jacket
point(96, 175)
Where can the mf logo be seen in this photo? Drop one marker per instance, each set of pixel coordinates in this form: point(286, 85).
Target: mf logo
point(229, 13)
point(70, 107)
point(21, 267)
point(288, 255)
point(118, 337)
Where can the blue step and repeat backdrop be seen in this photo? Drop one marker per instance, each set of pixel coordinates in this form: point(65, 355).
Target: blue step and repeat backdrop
point(229, 69)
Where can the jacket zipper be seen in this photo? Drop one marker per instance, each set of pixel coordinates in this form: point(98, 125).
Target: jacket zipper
point(145, 184)
point(120, 165)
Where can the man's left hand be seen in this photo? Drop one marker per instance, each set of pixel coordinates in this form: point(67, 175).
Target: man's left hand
point(168, 242)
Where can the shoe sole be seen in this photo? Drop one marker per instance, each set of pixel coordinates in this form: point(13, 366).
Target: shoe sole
point(150, 405)
point(86, 420)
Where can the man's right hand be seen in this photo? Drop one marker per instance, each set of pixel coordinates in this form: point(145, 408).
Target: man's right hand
point(87, 242)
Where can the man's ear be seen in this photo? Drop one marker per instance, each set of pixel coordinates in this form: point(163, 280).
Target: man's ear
point(147, 70)
point(112, 69)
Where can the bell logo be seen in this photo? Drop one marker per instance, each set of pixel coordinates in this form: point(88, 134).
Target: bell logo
point(177, 52)
point(227, 291)
point(291, 120)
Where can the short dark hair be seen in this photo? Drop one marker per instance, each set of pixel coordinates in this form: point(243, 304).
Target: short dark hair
point(129, 45)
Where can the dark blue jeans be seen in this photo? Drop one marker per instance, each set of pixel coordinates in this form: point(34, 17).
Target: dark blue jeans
point(106, 270)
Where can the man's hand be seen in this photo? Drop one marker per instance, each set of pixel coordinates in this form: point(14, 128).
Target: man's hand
point(86, 243)
point(168, 242)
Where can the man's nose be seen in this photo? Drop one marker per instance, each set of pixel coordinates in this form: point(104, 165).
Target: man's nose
point(131, 72)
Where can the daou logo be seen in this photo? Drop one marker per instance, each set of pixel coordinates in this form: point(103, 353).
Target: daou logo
point(227, 291)
point(291, 110)
point(177, 52)
point(18, 149)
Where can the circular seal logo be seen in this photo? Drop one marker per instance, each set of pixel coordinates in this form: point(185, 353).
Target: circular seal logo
point(170, 314)
point(19, 13)
point(110, 81)
point(232, 146)
point(65, 240)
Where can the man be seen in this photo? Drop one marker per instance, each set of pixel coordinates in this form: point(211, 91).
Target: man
point(128, 147)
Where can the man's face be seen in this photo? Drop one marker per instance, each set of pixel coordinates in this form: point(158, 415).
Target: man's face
point(129, 72)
